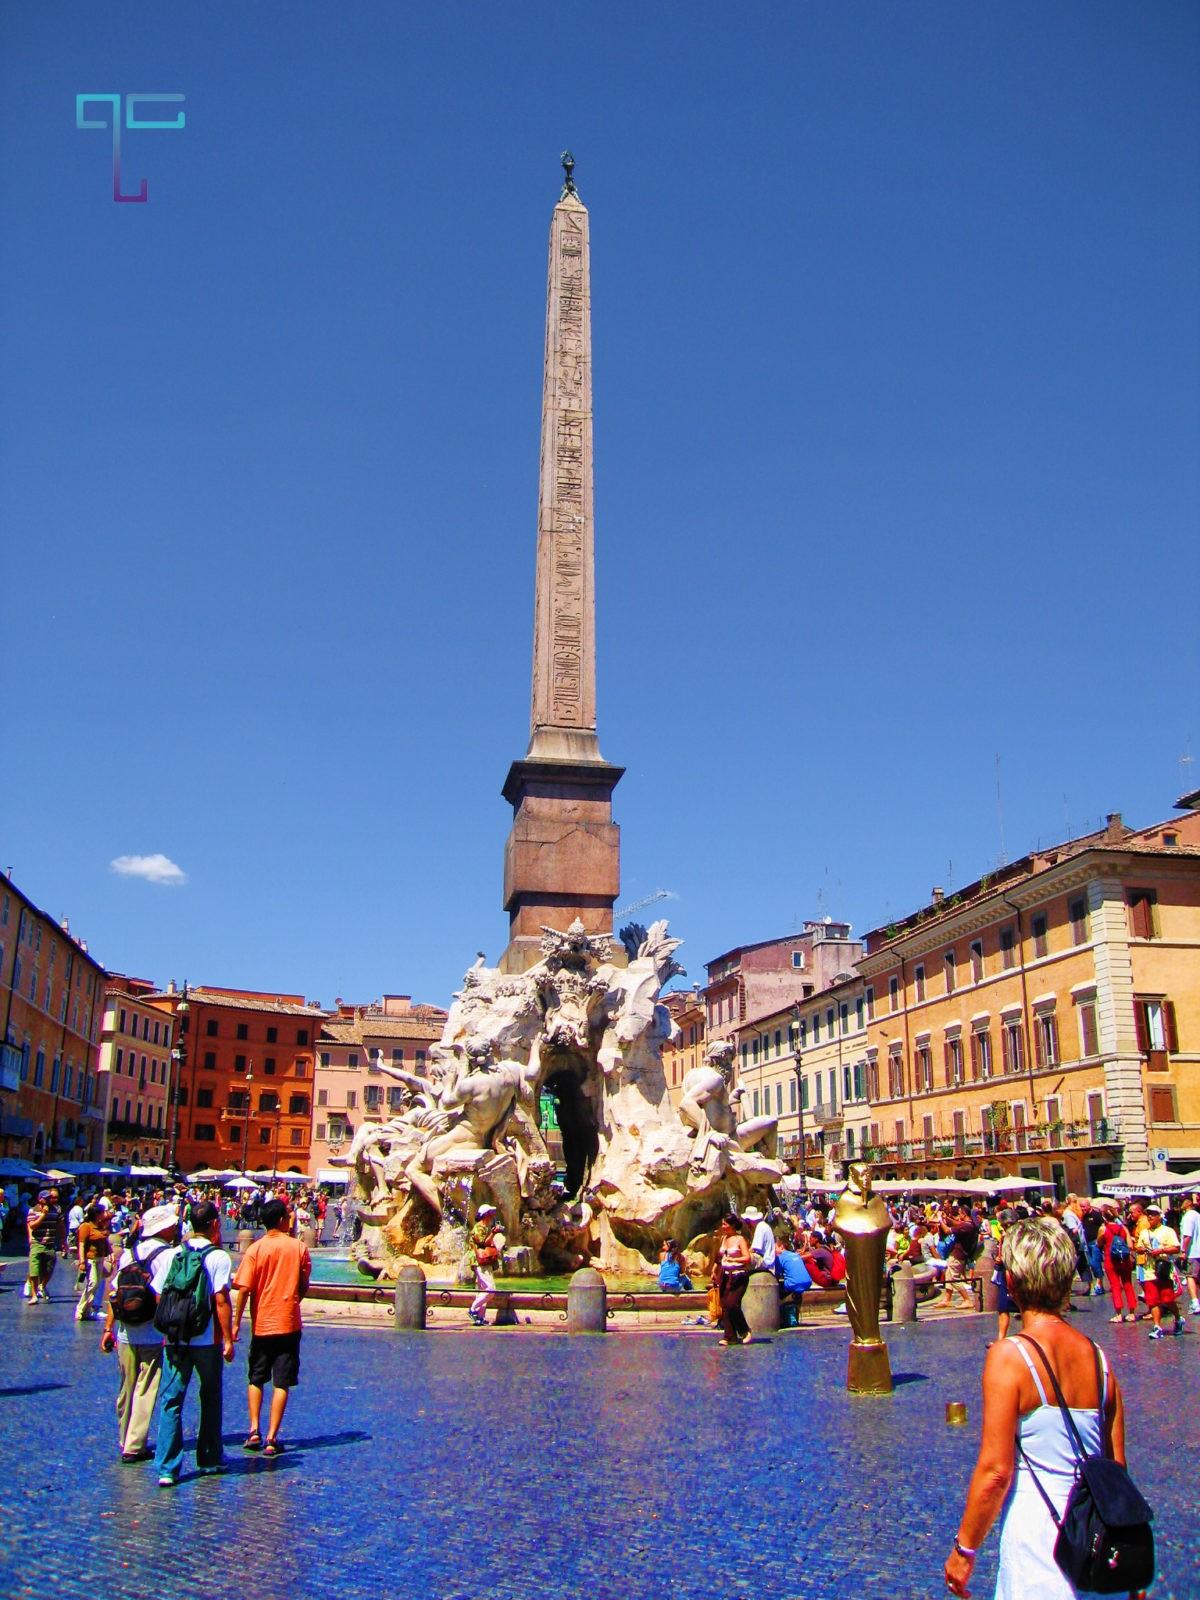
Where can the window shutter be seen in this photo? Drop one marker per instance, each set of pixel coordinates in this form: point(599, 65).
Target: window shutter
point(1140, 1028)
point(1162, 1104)
point(1039, 1043)
point(1170, 1031)
point(946, 1062)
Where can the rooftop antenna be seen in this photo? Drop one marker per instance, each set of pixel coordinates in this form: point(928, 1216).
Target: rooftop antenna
point(1000, 814)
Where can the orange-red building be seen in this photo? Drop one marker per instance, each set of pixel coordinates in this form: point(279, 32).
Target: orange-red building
point(52, 1104)
point(244, 1088)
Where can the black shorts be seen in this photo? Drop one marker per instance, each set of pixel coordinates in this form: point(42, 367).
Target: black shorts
point(275, 1358)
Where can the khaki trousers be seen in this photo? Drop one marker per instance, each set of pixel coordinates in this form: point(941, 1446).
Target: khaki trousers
point(141, 1369)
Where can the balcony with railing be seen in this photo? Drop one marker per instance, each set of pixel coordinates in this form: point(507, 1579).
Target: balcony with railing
point(826, 1114)
point(1043, 1137)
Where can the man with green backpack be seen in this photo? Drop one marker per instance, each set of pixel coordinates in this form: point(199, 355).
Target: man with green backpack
point(195, 1320)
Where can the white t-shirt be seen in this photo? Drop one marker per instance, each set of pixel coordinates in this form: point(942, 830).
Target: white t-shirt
point(1189, 1234)
point(763, 1243)
point(219, 1267)
point(145, 1333)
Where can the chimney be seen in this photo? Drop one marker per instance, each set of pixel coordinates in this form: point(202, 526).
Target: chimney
point(937, 895)
point(171, 986)
point(1116, 829)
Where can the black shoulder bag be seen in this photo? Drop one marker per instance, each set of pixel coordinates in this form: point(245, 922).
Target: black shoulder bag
point(1105, 1544)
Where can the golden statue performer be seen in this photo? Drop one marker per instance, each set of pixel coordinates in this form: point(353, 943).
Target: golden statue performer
point(863, 1223)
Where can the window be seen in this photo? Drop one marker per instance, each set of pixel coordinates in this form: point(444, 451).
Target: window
point(55, 1068)
point(778, 1041)
point(919, 982)
point(210, 1059)
point(1156, 1030)
point(352, 1059)
point(816, 1022)
point(858, 1015)
point(204, 1098)
point(123, 1027)
point(204, 1132)
point(981, 1053)
point(300, 1067)
point(798, 959)
point(272, 1035)
point(1038, 928)
point(950, 972)
point(156, 1033)
point(953, 1058)
point(1008, 949)
point(68, 1076)
point(239, 1063)
point(895, 1074)
point(1012, 1045)
point(296, 1135)
point(269, 1066)
point(268, 1100)
point(120, 1059)
point(894, 994)
point(243, 1030)
point(923, 1062)
point(372, 1095)
point(1045, 1039)
point(844, 1017)
point(320, 1131)
point(264, 1136)
point(858, 1080)
point(324, 1058)
point(146, 1029)
point(301, 1035)
point(181, 1094)
point(829, 1021)
point(210, 1028)
point(792, 1095)
point(755, 1097)
point(322, 1097)
point(803, 1032)
point(395, 1097)
point(398, 1052)
point(976, 960)
point(870, 997)
point(351, 1098)
point(1089, 1032)
point(1143, 919)
point(779, 1098)
point(420, 1058)
point(298, 1105)
point(1078, 917)
point(239, 1100)
point(39, 1068)
point(1162, 1103)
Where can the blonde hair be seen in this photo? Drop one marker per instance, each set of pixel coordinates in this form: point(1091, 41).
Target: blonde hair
point(1039, 1256)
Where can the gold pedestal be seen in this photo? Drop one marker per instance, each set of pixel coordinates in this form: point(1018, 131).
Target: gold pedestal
point(869, 1371)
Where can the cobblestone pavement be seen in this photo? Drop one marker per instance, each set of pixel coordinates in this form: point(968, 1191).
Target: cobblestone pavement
point(508, 1464)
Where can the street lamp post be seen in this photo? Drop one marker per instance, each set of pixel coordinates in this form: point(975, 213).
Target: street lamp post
point(179, 1059)
point(246, 1120)
point(798, 1069)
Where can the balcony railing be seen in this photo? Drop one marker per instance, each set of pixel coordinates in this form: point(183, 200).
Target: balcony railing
point(823, 1114)
point(1100, 1133)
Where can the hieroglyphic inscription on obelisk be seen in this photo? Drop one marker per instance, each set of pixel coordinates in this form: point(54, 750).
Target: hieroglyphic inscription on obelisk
point(563, 719)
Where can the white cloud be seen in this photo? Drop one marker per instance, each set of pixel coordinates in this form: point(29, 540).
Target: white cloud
point(154, 869)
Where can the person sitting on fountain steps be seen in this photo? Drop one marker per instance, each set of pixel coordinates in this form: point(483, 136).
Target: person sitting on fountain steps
point(484, 1254)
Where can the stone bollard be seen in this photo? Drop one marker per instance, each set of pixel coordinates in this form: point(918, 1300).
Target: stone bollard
point(410, 1296)
point(245, 1238)
point(991, 1291)
point(760, 1306)
point(904, 1295)
point(587, 1302)
point(308, 1236)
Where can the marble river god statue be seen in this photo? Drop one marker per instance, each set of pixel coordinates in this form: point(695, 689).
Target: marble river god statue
point(862, 1221)
point(588, 1032)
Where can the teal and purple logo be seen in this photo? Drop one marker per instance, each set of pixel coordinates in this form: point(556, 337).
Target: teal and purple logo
point(133, 120)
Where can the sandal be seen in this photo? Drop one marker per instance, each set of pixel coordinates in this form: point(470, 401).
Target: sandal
point(272, 1448)
point(254, 1442)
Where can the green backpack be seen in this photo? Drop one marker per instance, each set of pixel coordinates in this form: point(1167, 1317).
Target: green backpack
point(185, 1301)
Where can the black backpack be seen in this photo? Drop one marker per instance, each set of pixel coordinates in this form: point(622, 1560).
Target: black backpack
point(133, 1299)
point(185, 1304)
point(1105, 1544)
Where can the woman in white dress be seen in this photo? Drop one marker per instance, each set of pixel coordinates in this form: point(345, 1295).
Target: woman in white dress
point(1024, 1432)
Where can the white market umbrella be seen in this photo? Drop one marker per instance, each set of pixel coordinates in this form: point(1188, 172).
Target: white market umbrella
point(205, 1175)
point(1015, 1185)
point(1132, 1184)
point(149, 1172)
point(239, 1183)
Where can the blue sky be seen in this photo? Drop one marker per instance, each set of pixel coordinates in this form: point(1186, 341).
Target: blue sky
point(896, 356)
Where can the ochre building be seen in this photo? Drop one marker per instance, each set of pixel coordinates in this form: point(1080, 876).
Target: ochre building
point(1045, 1020)
point(135, 1066)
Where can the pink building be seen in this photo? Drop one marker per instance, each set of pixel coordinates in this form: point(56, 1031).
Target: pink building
point(754, 980)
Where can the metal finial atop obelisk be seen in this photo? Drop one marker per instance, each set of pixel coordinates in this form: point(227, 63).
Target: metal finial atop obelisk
point(562, 860)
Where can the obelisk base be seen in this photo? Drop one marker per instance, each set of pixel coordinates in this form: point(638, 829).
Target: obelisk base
point(869, 1370)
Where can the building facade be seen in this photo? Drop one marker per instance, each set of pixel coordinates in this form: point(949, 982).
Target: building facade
point(684, 1050)
point(135, 1067)
point(753, 980)
point(355, 1043)
point(243, 1092)
point(1045, 1020)
point(52, 1105)
point(818, 1090)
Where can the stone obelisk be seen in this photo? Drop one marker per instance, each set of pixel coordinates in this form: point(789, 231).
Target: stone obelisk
point(562, 859)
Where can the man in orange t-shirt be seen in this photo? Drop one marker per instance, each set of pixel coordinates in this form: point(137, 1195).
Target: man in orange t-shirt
point(274, 1276)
